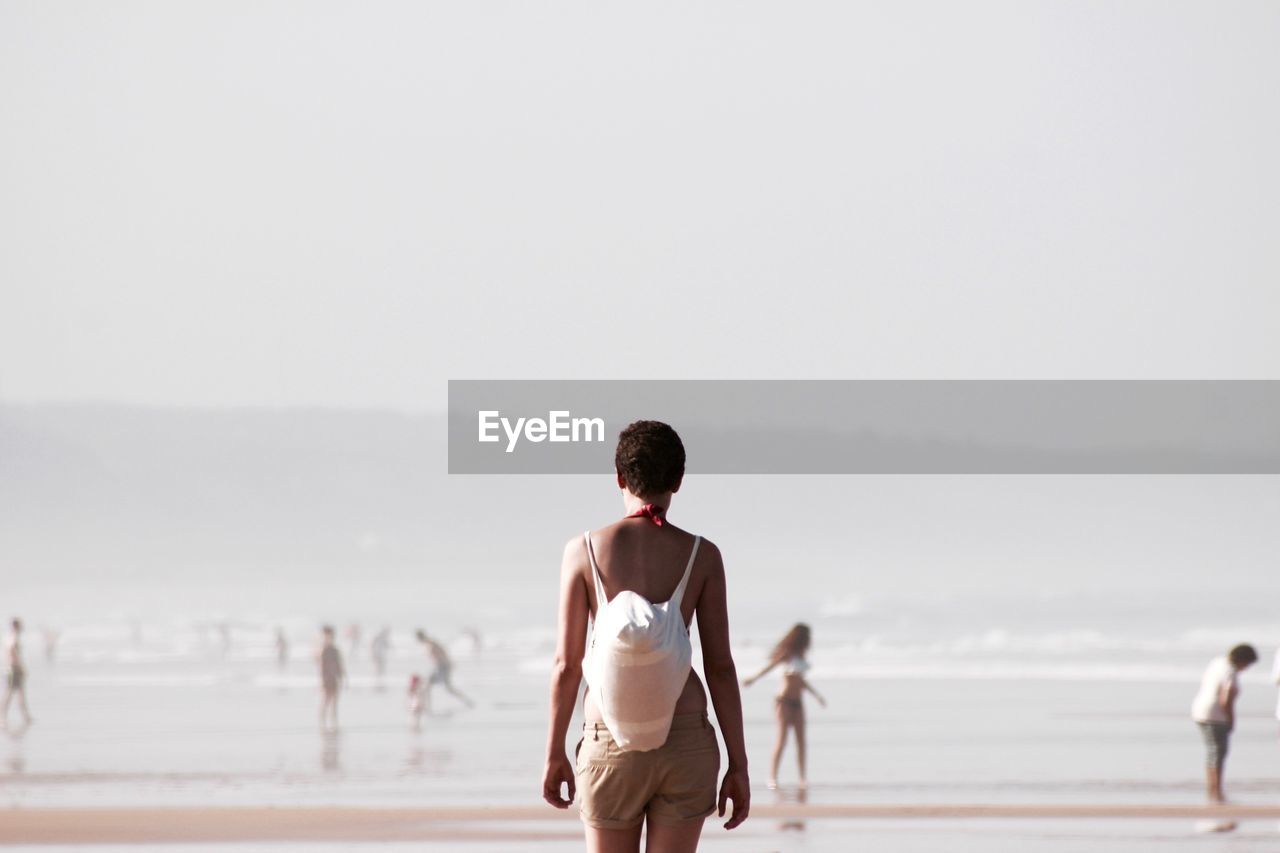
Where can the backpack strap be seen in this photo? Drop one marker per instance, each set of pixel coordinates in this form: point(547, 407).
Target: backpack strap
point(601, 598)
point(678, 596)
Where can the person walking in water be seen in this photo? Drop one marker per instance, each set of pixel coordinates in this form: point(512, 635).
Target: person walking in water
point(1214, 711)
point(16, 683)
point(1275, 679)
point(282, 648)
point(789, 703)
point(51, 636)
point(648, 756)
point(332, 674)
point(353, 638)
point(442, 672)
point(378, 648)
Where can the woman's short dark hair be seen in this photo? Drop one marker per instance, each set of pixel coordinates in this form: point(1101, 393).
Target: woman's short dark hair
point(650, 458)
point(1243, 655)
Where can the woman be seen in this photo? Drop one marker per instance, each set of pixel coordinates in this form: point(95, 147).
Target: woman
point(790, 653)
point(648, 753)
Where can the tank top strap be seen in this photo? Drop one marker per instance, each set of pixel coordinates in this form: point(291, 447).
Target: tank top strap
point(678, 596)
point(601, 598)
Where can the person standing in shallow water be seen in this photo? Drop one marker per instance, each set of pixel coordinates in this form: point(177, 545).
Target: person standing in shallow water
point(282, 649)
point(648, 760)
point(789, 703)
point(332, 674)
point(1214, 711)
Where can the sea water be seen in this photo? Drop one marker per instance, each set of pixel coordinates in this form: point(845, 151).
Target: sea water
point(162, 713)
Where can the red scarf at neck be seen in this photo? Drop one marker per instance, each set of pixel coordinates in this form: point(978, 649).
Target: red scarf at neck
point(653, 512)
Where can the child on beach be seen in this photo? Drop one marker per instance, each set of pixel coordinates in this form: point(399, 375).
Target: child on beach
point(416, 704)
point(789, 703)
point(1214, 711)
point(331, 677)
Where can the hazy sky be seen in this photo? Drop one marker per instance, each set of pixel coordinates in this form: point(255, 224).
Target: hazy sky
point(346, 204)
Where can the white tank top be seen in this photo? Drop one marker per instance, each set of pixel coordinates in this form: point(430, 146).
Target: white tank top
point(795, 666)
point(638, 661)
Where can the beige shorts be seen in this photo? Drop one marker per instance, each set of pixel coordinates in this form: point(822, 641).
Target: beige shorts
point(671, 784)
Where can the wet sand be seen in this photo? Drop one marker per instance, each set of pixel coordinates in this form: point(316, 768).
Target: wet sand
point(200, 825)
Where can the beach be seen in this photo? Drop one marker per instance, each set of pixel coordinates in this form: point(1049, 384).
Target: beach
point(531, 826)
point(146, 733)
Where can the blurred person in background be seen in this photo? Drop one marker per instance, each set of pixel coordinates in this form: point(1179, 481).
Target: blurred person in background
point(1275, 679)
point(51, 636)
point(789, 703)
point(332, 674)
point(16, 683)
point(1214, 711)
point(442, 672)
point(417, 705)
point(282, 649)
point(378, 648)
point(477, 640)
point(353, 639)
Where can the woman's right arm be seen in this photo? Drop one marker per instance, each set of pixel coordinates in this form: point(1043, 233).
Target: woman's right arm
point(722, 682)
point(566, 674)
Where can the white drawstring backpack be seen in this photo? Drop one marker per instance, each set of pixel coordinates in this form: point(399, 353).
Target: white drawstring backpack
point(638, 661)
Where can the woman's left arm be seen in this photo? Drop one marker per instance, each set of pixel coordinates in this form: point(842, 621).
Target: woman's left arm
point(566, 674)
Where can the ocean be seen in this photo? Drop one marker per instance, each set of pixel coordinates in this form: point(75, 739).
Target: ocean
point(169, 712)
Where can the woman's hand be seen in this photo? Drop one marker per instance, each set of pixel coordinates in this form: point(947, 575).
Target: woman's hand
point(559, 771)
point(737, 787)
point(748, 681)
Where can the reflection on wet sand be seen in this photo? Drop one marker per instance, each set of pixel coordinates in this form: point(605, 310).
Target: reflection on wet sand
point(330, 752)
point(426, 762)
point(16, 761)
point(784, 795)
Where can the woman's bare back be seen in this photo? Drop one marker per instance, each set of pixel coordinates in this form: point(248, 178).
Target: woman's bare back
point(634, 554)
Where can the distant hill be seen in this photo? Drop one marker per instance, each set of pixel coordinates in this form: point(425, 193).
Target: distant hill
point(98, 496)
point(140, 489)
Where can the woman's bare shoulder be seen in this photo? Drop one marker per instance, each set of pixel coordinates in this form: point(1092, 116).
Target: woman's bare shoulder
point(709, 558)
point(574, 557)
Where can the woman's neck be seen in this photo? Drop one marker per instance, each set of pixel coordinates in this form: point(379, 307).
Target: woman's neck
point(632, 504)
